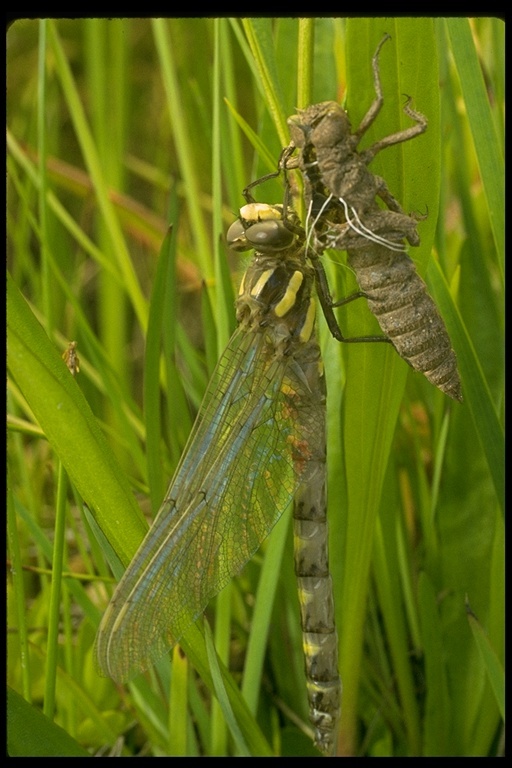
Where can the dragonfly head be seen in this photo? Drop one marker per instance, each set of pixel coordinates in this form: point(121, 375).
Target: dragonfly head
point(261, 226)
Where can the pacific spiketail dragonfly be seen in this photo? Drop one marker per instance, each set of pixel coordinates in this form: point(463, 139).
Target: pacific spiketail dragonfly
point(257, 445)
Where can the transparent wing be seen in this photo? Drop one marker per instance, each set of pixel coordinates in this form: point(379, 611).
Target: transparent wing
point(244, 459)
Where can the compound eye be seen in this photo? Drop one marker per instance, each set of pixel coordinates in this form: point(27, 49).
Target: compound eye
point(236, 237)
point(270, 235)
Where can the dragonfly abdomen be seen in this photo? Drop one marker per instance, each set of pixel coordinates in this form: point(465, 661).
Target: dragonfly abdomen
point(319, 636)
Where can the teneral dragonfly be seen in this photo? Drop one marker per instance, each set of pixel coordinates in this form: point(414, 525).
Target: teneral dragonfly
point(257, 444)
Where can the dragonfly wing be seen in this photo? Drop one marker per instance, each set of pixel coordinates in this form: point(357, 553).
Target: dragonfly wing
point(244, 459)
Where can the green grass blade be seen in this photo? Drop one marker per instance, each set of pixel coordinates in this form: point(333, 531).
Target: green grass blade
point(437, 719)
point(259, 35)
point(262, 613)
point(178, 705)
point(476, 391)
point(194, 645)
point(70, 427)
point(222, 696)
point(95, 169)
point(493, 667)
point(152, 413)
point(375, 377)
point(487, 147)
point(183, 133)
point(305, 56)
point(31, 734)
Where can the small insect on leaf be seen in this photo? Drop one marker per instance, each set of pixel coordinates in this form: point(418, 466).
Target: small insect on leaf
point(71, 358)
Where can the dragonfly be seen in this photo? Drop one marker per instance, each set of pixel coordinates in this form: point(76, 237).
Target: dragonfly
point(341, 194)
point(258, 444)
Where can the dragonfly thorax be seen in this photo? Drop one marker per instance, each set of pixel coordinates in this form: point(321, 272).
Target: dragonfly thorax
point(277, 293)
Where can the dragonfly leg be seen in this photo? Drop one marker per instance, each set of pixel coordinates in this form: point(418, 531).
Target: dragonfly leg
point(327, 304)
point(377, 103)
